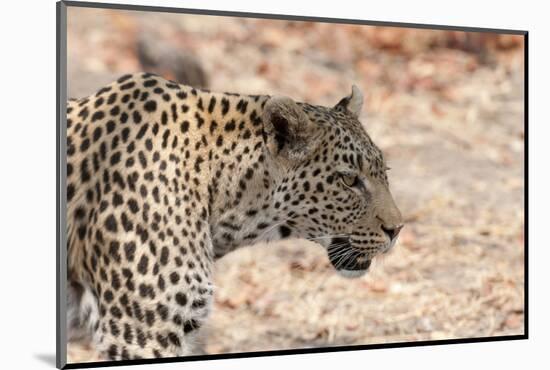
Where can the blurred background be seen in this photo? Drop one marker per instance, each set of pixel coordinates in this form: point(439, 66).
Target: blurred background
point(446, 108)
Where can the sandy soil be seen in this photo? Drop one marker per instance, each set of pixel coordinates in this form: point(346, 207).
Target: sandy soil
point(447, 110)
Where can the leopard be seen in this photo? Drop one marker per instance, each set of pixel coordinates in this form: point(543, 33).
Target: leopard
point(163, 179)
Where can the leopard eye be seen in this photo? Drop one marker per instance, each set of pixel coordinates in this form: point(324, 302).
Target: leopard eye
point(350, 180)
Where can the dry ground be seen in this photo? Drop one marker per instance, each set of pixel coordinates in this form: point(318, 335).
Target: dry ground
point(446, 109)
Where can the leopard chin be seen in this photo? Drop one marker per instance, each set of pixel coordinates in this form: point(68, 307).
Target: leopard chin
point(348, 262)
point(352, 274)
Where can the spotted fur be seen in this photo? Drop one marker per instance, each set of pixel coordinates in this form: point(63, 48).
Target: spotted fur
point(163, 179)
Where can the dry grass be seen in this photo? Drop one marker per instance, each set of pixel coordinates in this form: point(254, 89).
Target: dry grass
point(447, 112)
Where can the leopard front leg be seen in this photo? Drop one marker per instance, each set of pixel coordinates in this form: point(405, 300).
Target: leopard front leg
point(153, 294)
point(144, 324)
point(161, 328)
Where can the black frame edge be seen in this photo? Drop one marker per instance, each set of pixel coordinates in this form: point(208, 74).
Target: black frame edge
point(164, 9)
point(286, 352)
point(526, 185)
point(61, 133)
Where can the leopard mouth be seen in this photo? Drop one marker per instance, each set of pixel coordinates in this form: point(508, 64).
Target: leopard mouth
point(348, 261)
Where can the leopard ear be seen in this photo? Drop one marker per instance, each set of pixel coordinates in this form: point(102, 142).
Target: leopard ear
point(286, 129)
point(352, 103)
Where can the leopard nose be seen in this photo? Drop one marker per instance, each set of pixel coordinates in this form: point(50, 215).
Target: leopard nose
point(392, 231)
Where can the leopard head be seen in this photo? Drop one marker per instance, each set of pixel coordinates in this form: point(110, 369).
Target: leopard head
point(333, 187)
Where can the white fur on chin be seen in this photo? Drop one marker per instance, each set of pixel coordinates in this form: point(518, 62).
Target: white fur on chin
point(352, 274)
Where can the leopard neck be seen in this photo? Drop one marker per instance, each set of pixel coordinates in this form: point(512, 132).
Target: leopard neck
point(239, 174)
